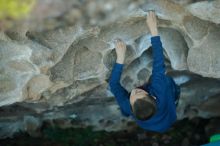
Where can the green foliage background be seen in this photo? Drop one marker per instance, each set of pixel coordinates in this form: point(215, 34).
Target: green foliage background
point(15, 9)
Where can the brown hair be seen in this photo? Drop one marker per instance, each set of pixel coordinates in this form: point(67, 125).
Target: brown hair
point(144, 108)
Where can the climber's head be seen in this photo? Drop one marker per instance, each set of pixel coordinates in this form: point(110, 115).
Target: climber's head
point(142, 104)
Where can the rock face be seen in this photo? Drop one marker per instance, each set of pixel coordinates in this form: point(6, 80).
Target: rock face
point(56, 70)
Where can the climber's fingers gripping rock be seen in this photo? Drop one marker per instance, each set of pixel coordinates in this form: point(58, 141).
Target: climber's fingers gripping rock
point(120, 47)
point(152, 23)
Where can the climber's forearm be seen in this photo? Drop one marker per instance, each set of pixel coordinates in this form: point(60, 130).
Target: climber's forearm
point(119, 92)
point(152, 23)
point(120, 60)
point(158, 58)
point(120, 48)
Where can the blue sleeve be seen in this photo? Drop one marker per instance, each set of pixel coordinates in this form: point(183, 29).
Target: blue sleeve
point(158, 71)
point(121, 95)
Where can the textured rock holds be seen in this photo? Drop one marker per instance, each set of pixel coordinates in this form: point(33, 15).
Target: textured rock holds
point(57, 69)
point(207, 55)
point(36, 86)
point(206, 10)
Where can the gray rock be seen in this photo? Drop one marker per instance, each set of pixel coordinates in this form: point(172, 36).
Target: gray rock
point(56, 69)
point(206, 10)
point(203, 58)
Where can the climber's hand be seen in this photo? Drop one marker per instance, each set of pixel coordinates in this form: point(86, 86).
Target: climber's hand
point(152, 23)
point(120, 48)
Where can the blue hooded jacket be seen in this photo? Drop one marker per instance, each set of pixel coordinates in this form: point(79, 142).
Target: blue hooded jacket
point(161, 86)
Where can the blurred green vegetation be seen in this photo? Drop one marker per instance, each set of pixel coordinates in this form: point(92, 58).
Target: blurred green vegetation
point(15, 9)
point(86, 137)
point(70, 136)
point(192, 130)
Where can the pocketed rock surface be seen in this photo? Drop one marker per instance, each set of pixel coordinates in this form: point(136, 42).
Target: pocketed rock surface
point(55, 65)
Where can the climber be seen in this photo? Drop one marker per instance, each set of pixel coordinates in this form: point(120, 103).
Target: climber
point(153, 105)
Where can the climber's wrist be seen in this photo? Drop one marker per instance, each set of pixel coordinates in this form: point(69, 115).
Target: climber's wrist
point(154, 32)
point(120, 60)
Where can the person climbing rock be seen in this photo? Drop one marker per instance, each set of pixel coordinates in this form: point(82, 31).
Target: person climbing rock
point(153, 105)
